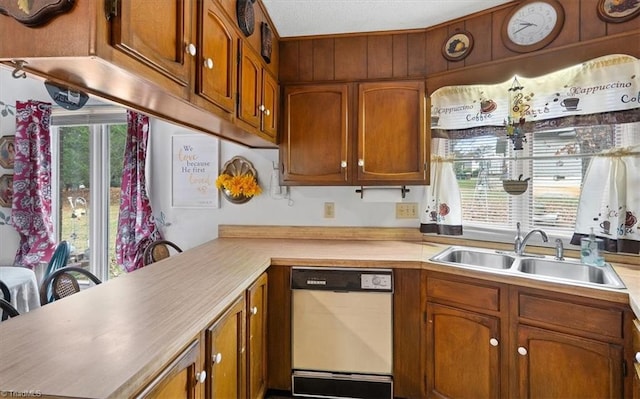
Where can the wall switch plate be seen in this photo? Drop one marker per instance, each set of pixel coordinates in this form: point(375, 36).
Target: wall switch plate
point(406, 210)
point(329, 210)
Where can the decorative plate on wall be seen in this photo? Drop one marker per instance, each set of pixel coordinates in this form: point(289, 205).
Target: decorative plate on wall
point(457, 46)
point(6, 190)
point(618, 10)
point(267, 42)
point(246, 16)
point(7, 152)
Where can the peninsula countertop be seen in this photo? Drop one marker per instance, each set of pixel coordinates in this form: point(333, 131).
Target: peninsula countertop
point(107, 341)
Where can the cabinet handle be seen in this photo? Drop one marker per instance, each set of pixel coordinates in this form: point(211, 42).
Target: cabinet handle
point(522, 350)
point(267, 112)
point(254, 310)
point(262, 107)
point(493, 342)
point(201, 377)
point(360, 162)
point(637, 357)
point(343, 164)
point(208, 63)
point(191, 49)
point(217, 358)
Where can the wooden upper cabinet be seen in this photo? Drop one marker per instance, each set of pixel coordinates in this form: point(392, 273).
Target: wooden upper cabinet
point(250, 81)
point(314, 147)
point(259, 93)
point(270, 104)
point(157, 33)
point(216, 68)
point(392, 142)
point(182, 378)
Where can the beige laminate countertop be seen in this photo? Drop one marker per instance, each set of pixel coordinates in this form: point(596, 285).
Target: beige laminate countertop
point(107, 341)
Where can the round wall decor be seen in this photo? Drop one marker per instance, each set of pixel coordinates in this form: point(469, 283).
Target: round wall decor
point(532, 25)
point(246, 16)
point(457, 46)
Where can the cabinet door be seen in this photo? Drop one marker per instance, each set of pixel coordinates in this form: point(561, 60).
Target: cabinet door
point(225, 352)
point(156, 33)
point(257, 338)
point(250, 82)
point(392, 133)
point(463, 353)
point(181, 379)
point(556, 365)
point(216, 68)
point(269, 107)
point(315, 135)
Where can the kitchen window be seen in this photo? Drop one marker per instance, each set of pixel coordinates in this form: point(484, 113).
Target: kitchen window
point(87, 150)
point(554, 162)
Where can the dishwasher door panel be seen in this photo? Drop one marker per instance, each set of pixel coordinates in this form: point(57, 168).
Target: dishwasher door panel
point(348, 332)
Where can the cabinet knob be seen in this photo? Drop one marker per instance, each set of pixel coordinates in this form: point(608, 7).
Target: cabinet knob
point(201, 377)
point(217, 358)
point(493, 342)
point(254, 310)
point(208, 63)
point(522, 350)
point(191, 49)
point(343, 164)
point(360, 162)
point(637, 357)
point(262, 107)
point(267, 112)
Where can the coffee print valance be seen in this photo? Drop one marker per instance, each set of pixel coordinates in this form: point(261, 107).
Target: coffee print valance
point(605, 84)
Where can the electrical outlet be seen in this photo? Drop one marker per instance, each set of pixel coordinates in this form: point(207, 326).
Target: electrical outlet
point(406, 210)
point(329, 210)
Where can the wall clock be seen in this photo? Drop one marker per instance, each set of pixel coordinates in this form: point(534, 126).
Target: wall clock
point(532, 25)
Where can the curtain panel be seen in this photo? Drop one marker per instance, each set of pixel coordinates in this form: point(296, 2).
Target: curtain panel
point(31, 204)
point(136, 224)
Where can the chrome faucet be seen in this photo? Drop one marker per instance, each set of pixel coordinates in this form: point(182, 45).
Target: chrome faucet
point(559, 249)
point(520, 243)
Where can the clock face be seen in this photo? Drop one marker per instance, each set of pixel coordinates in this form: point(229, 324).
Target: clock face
point(532, 23)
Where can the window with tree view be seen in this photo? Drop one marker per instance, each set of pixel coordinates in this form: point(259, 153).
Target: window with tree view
point(86, 183)
point(553, 163)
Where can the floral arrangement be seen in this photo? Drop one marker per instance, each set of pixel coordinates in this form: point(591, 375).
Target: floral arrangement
point(241, 185)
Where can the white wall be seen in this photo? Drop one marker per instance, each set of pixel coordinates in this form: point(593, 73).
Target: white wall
point(191, 227)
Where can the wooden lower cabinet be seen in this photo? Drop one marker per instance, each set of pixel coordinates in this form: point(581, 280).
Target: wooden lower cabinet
point(463, 353)
point(556, 365)
point(182, 378)
point(491, 340)
point(225, 351)
point(635, 352)
point(257, 338)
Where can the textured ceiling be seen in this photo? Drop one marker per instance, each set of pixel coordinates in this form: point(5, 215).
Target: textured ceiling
point(322, 17)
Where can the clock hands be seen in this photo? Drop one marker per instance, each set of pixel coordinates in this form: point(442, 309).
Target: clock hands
point(525, 25)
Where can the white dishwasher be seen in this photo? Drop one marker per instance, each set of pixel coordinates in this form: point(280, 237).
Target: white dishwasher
point(342, 332)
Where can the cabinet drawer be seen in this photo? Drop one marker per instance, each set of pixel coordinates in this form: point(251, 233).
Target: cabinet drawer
point(473, 295)
point(577, 317)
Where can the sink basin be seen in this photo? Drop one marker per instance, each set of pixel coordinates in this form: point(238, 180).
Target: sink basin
point(577, 272)
point(475, 258)
point(569, 271)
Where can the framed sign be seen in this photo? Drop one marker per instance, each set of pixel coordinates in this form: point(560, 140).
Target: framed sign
point(618, 10)
point(457, 46)
point(6, 191)
point(7, 151)
point(194, 171)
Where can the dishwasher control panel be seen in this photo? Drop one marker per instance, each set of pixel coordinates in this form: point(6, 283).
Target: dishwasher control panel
point(342, 279)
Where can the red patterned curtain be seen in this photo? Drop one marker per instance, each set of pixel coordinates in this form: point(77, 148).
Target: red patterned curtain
point(136, 224)
point(31, 204)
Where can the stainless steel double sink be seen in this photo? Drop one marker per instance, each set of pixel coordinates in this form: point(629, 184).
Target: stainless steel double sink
point(567, 271)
